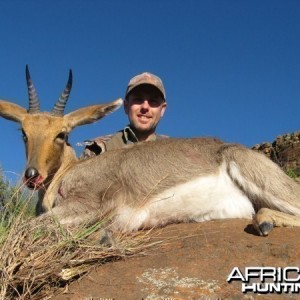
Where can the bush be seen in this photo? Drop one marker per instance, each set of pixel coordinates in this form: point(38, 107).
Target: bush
point(13, 200)
point(293, 173)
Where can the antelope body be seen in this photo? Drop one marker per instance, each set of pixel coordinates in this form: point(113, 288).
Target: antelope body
point(149, 184)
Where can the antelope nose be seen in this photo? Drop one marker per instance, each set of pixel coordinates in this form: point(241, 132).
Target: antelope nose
point(31, 173)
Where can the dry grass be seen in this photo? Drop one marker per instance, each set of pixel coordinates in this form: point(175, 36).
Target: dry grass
point(36, 258)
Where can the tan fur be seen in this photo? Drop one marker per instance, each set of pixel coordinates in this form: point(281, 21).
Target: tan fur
point(149, 184)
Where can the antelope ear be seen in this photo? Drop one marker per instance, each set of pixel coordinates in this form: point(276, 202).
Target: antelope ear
point(11, 111)
point(91, 114)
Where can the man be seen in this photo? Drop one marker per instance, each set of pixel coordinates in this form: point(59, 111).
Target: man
point(145, 104)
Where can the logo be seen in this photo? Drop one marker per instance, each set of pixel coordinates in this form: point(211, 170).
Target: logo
point(266, 280)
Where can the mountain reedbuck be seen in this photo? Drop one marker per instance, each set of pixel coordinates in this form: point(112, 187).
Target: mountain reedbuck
point(149, 184)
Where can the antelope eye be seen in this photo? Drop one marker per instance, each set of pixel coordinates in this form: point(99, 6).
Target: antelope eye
point(24, 136)
point(63, 136)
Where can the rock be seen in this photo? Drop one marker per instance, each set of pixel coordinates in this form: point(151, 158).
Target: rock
point(193, 263)
point(285, 151)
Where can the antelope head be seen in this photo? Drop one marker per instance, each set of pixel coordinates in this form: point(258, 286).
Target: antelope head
point(45, 134)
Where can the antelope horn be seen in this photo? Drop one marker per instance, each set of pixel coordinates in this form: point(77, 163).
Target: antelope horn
point(62, 100)
point(34, 105)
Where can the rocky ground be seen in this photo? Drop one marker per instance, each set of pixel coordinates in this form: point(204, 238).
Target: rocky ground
point(196, 262)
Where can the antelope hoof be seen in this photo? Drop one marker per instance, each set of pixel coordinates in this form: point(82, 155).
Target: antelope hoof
point(265, 228)
point(262, 227)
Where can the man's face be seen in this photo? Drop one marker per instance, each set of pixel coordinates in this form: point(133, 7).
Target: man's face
point(145, 106)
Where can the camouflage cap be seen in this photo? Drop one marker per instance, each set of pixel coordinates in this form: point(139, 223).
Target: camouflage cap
point(145, 78)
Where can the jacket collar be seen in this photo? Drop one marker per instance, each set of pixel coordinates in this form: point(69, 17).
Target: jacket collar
point(130, 137)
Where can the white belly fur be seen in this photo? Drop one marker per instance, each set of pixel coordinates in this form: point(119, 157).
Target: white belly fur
point(202, 199)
